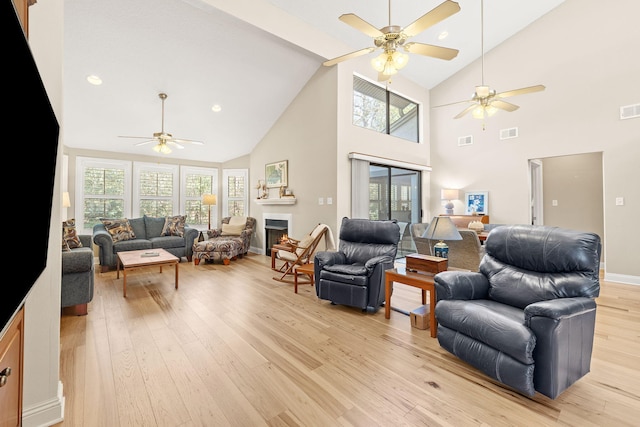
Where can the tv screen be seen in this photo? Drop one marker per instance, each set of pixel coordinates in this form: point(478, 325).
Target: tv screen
point(30, 145)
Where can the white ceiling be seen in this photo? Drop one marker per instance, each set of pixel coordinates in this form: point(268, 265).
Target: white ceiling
point(250, 56)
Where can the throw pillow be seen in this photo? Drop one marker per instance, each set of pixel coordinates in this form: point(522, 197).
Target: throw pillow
point(119, 229)
point(232, 230)
point(69, 236)
point(174, 226)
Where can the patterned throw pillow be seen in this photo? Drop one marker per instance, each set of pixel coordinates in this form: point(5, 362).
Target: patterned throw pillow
point(174, 226)
point(119, 229)
point(69, 236)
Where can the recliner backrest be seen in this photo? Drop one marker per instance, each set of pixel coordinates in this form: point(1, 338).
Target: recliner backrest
point(363, 239)
point(529, 263)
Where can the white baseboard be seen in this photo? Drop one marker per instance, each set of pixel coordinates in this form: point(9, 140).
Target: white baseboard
point(622, 278)
point(46, 413)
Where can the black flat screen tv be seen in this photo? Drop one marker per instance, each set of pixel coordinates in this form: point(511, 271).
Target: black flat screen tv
point(29, 149)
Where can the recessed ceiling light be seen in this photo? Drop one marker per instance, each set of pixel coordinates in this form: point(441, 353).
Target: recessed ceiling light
point(443, 35)
point(94, 80)
point(216, 108)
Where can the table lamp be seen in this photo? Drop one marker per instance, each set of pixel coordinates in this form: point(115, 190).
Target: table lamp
point(441, 228)
point(209, 200)
point(449, 195)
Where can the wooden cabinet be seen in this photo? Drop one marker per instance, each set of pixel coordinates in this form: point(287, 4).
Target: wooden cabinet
point(22, 10)
point(462, 221)
point(11, 348)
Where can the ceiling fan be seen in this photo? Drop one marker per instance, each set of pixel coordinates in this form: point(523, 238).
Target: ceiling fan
point(163, 139)
point(485, 101)
point(391, 37)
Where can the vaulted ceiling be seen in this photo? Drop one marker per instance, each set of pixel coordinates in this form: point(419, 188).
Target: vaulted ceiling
point(251, 57)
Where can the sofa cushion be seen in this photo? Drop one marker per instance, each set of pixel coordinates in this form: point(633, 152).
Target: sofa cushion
point(139, 228)
point(70, 238)
point(173, 226)
point(119, 229)
point(167, 242)
point(153, 226)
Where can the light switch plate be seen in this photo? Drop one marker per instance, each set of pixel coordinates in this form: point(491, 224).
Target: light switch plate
point(329, 200)
point(554, 203)
point(320, 201)
point(619, 201)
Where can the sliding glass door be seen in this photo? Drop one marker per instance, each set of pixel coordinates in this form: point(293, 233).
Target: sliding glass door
point(394, 193)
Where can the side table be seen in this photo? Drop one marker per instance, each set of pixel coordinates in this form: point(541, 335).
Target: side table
point(423, 281)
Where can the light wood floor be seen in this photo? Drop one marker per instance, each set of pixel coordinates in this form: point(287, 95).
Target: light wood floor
point(232, 347)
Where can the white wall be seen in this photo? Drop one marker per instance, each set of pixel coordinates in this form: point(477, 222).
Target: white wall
point(586, 56)
point(42, 402)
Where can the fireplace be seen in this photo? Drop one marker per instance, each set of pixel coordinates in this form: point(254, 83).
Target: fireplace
point(276, 226)
point(274, 231)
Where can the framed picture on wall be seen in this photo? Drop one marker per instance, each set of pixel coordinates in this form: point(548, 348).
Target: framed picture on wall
point(476, 202)
point(275, 174)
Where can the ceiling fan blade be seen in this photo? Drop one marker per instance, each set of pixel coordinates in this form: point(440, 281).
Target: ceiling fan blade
point(432, 51)
point(429, 19)
point(504, 105)
point(349, 56)
point(361, 25)
point(452, 103)
point(137, 137)
point(187, 141)
point(466, 110)
point(521, 91)
point(175, 144)
point(145, 142)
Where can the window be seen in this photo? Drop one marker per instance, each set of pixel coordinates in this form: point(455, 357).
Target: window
point(378, 109)
point(104, 190)
point(236, 192)
point(155, 191)
point(195, 183)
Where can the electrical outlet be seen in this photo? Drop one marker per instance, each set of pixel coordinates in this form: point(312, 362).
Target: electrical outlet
point(619, 201)
point(554, 203)
point(329, 200)
point(320, 201)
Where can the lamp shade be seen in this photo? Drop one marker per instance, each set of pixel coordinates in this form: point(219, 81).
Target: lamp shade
point(66, 201)
point(449, 194)
point(209, 199)
point(442, 228)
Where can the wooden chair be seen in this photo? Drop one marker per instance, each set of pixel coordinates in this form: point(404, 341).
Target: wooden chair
point(301, 253)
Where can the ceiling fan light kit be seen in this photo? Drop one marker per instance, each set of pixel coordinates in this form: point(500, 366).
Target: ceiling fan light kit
point(391, 37)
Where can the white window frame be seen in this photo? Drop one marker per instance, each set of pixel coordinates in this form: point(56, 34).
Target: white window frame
point(226, 173)
point(138, 168)
point(83, 163)
point(195, 170)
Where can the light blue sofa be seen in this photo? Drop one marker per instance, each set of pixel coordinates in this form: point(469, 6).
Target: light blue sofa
point(148, 235)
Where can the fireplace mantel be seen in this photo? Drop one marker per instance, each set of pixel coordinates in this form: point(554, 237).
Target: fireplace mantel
point(281, 201)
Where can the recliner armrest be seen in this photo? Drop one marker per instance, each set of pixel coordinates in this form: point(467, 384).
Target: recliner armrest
point(461, 285)
point(329, 258)
point(371, 263)
point(559, 308)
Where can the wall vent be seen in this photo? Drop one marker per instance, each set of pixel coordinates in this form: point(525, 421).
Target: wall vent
point(465, 140)
point(629, 111)
point(508, 133)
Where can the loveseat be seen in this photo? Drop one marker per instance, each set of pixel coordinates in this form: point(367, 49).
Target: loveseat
point(77, 276)
point(119, 235)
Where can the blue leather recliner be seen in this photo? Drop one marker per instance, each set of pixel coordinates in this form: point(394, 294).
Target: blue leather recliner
point(527, 318)
point(354, 274)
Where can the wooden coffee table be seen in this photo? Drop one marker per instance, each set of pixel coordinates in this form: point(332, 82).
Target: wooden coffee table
point(135, 259)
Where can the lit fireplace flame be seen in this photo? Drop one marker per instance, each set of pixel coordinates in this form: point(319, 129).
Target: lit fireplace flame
point(284, 238)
